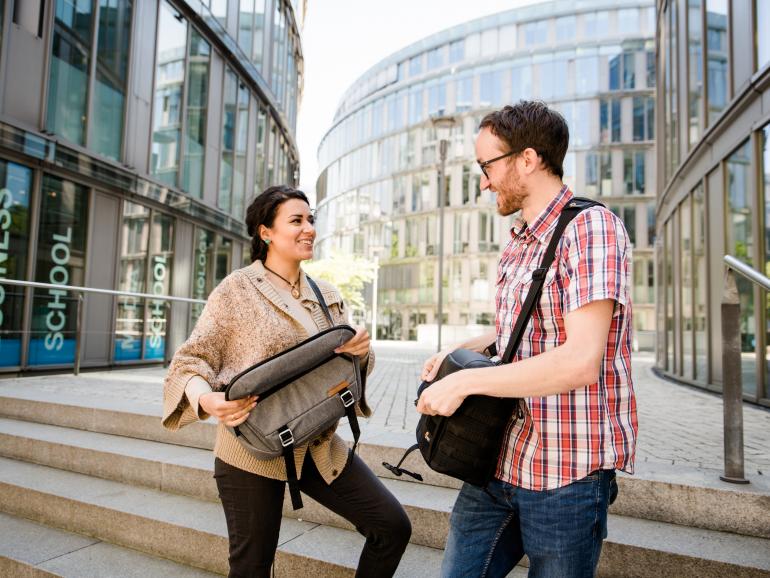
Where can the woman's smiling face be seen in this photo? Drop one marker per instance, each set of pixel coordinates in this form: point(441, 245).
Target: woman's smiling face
point(293, 232)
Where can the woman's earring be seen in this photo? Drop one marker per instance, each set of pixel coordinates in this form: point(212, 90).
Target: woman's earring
point(267, 241)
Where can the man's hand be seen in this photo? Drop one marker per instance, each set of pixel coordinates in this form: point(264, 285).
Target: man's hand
point(431, 366)
point(356, 345)
point(231, 413)
point(444, 396)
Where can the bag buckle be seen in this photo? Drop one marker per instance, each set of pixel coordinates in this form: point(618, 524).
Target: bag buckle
point(347, 398)
point(286, 437)
point(539, 273)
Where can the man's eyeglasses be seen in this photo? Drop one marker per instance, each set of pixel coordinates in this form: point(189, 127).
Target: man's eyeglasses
point(483, 166)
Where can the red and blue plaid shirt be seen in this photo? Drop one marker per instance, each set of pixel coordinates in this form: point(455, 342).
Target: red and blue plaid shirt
point(564, 437)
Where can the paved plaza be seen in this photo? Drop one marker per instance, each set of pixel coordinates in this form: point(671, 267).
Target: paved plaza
point(678, 425)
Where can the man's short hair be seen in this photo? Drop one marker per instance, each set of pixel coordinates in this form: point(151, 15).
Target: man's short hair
point(531, 124)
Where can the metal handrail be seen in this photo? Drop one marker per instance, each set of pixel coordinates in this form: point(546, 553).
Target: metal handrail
point(748, 272)
point(38, 285)
point(732, 387)
point(82, 290)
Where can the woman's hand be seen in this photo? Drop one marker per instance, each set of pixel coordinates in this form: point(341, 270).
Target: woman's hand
point(356, 345)
point(231, 413)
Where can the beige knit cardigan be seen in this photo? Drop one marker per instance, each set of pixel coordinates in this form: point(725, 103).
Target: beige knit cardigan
point(246, 320)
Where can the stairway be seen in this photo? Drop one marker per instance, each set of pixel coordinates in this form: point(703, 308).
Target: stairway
point(107, 492)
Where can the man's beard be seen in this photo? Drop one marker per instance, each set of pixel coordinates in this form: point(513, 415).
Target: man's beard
point(510, 195)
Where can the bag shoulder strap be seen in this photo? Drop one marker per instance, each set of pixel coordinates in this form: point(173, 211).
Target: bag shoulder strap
point(320, 297)
point(569, 212)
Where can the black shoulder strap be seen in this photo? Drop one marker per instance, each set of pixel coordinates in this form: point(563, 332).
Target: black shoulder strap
point(320, 297)
point(569, 212)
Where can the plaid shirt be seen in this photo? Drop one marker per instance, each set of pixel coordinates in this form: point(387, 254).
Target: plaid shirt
point(564, 437)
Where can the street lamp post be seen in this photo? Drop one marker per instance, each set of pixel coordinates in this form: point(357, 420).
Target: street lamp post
point(443, 124)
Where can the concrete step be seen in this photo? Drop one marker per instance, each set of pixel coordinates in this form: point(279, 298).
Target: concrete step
point(647, 544)
point(32, 550)
point(657, 492)
point(182, 529)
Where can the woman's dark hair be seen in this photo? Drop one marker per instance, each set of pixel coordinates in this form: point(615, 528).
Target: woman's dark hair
point(262, 211)
point(530, 123)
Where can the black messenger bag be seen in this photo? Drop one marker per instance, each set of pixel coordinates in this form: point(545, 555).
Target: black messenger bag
point(467, 444)
point(302, 391)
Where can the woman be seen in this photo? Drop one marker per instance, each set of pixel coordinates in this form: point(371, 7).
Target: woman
point(255, 313)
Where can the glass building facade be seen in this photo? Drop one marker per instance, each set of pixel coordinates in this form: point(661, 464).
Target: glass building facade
point(128, 162)
point(713, 186)
point(594, 61)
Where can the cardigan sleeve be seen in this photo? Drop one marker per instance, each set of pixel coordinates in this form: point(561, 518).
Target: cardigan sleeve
point(201, 355)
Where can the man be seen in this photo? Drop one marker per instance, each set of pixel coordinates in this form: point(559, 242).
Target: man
point(556, 473)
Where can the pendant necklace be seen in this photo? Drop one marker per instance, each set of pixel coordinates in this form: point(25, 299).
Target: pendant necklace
point(294, 286)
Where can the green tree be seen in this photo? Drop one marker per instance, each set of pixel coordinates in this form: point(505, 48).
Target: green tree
point(347, 273)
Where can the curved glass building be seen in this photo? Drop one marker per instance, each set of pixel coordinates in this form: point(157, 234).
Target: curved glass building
point(132, 135)
point(592, 60)
point(713, 185)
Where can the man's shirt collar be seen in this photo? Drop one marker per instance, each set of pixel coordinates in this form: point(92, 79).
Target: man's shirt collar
point(545, 221)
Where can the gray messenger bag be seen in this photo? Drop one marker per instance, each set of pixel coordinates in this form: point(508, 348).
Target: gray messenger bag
point(302, 392)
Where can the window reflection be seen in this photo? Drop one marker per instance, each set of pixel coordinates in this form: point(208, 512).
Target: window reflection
point(169, 85)
point(112, 51)
point(695, 80)
point(740, 243)
point(61, 255)
point(15, 188)
point(70, 64)
point(161, 266)
point(717, 57)
point(197, 107)
point(129, 320)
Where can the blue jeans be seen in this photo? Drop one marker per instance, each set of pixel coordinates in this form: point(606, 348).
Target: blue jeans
point(560, 530)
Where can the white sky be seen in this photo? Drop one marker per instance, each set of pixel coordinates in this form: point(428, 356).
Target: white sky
point(342, 39)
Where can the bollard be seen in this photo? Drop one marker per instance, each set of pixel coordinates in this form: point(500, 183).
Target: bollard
point(732, 391)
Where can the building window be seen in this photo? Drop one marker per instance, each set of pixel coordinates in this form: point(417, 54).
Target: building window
point(741, 243)
point(644, 118)
point(464, 94)
point(491, 88)
point(521, 82)
point(695, 67)
point(146, 262)
point(610, 121)
point(565, 28)
point(436, 98)
point(627, 214)
point(70, 65)
point(536, 32)
point(605, 173)
point(232, 169)
point(61, 258)
point(700, 305)
point(762, 23)
point(670, 93)
point(686, 287)
point(219, 11)
point(197, 111)
point(596, 24)
point(668, 256)
point(112, 50)
point(633, 172)
point(415, 66)
point(628, 21)
point(651, 225)
point(15, 189)
point(251, 27)
point(129, 320)
point(592, 174)
point(261, 150)
point(169, 88)
point(650, 55)
point(456, 51)
point(416, 104)
point(587, 75)
point(436, 58)
point(765, 191)
point(644, 281)
point(717, 57)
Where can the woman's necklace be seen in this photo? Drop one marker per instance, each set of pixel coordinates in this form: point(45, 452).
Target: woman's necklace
point(294, 286)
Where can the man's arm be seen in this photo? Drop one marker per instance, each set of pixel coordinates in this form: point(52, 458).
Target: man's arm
point(576, 363)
